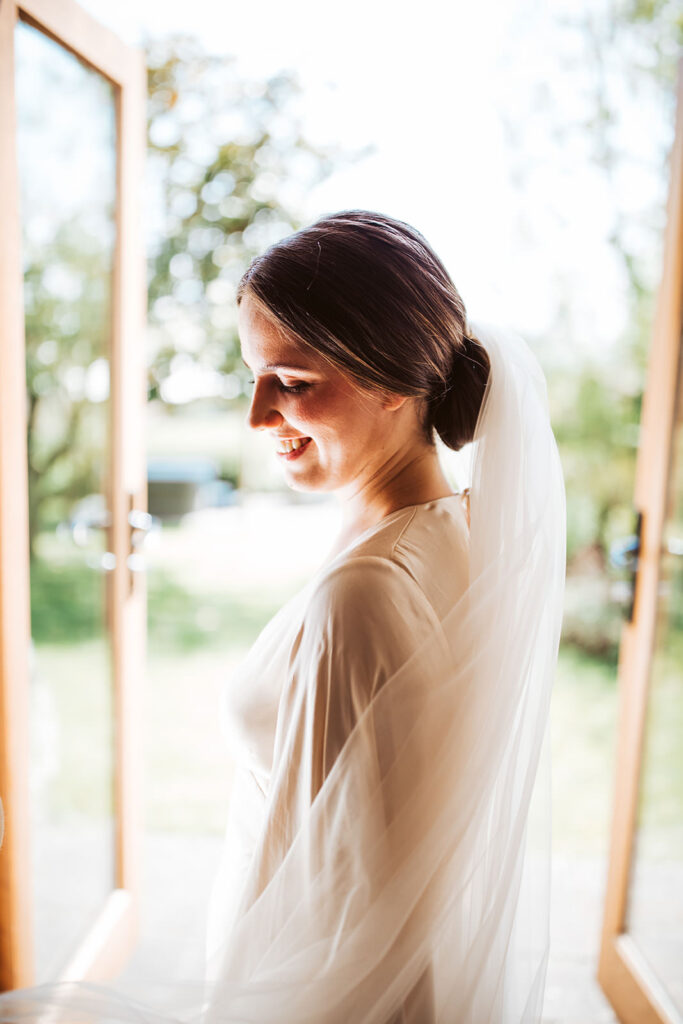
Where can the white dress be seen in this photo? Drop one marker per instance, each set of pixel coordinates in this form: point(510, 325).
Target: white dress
point(366, 610)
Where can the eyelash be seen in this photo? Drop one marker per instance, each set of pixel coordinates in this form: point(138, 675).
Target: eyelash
point(293, 389)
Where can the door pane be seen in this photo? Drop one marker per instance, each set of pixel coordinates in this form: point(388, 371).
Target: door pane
point(655, 904)
point(67, 167)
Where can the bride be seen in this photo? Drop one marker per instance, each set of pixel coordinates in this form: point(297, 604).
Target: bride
point(387, 848)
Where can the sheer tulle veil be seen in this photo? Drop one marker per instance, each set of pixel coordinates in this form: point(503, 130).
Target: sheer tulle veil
point(425, 855)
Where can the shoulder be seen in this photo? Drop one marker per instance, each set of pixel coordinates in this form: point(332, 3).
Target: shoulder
point(365, 617)
point(372, 585)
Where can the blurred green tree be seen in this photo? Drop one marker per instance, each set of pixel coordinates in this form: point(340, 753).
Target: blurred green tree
point(227, 169)
point(67, 340)
point(231, 168)
point(619, 55)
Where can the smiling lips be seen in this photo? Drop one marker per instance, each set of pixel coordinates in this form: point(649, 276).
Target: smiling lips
point(291, 449)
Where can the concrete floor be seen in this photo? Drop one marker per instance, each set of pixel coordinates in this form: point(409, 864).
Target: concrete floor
point(180, 869)
point(572, 995)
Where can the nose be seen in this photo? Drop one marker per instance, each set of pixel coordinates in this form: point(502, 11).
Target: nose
point(262, 414)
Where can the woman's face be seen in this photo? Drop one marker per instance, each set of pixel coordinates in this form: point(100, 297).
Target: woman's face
point(354, 435)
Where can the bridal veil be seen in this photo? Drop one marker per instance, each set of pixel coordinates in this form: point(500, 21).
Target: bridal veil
point(410, 880)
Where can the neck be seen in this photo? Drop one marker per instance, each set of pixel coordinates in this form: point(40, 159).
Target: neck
point(416, 480)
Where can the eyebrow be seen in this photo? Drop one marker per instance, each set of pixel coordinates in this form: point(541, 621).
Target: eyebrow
point(281, 366)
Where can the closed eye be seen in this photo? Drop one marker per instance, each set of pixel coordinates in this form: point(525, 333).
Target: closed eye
point(292, 389)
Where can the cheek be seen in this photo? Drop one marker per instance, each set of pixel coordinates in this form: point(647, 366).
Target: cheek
point(325, 409)
point(338, 415)
point(341, 422)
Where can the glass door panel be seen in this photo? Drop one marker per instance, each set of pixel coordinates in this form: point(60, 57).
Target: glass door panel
point(654, 916)
point(66, 140)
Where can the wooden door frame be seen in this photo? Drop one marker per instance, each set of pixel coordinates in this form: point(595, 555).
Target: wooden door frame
point(108, 943)
point(627, 979)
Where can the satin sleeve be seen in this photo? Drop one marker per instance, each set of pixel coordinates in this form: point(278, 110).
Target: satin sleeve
point(320, 880)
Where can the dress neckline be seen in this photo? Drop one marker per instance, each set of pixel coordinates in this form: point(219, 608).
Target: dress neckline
point(382, 522)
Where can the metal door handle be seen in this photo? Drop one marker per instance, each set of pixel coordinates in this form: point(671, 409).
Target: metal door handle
point(141, 525)
point(624, 553)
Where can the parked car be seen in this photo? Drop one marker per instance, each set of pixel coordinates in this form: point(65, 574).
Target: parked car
point(177, 486)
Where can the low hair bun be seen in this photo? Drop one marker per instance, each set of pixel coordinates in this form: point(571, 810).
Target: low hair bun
point(454, 410)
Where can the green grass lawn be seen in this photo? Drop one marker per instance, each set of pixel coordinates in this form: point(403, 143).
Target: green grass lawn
point(583, 716)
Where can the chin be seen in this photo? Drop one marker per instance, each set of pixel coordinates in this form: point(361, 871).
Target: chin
point(309, 486)
point(296, 485)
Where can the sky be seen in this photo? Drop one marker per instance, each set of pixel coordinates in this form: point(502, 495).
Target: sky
point(439, 90)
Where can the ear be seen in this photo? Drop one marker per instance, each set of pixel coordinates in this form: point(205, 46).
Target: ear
point(391, 401)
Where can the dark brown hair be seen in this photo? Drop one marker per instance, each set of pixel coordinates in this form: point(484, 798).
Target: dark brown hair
point(369, 293)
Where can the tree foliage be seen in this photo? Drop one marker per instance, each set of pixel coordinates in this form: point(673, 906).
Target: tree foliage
point(231, 167)
point(632, 49)
point(227, 168)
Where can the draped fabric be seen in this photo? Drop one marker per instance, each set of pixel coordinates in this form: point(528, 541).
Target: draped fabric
point(387, 852)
